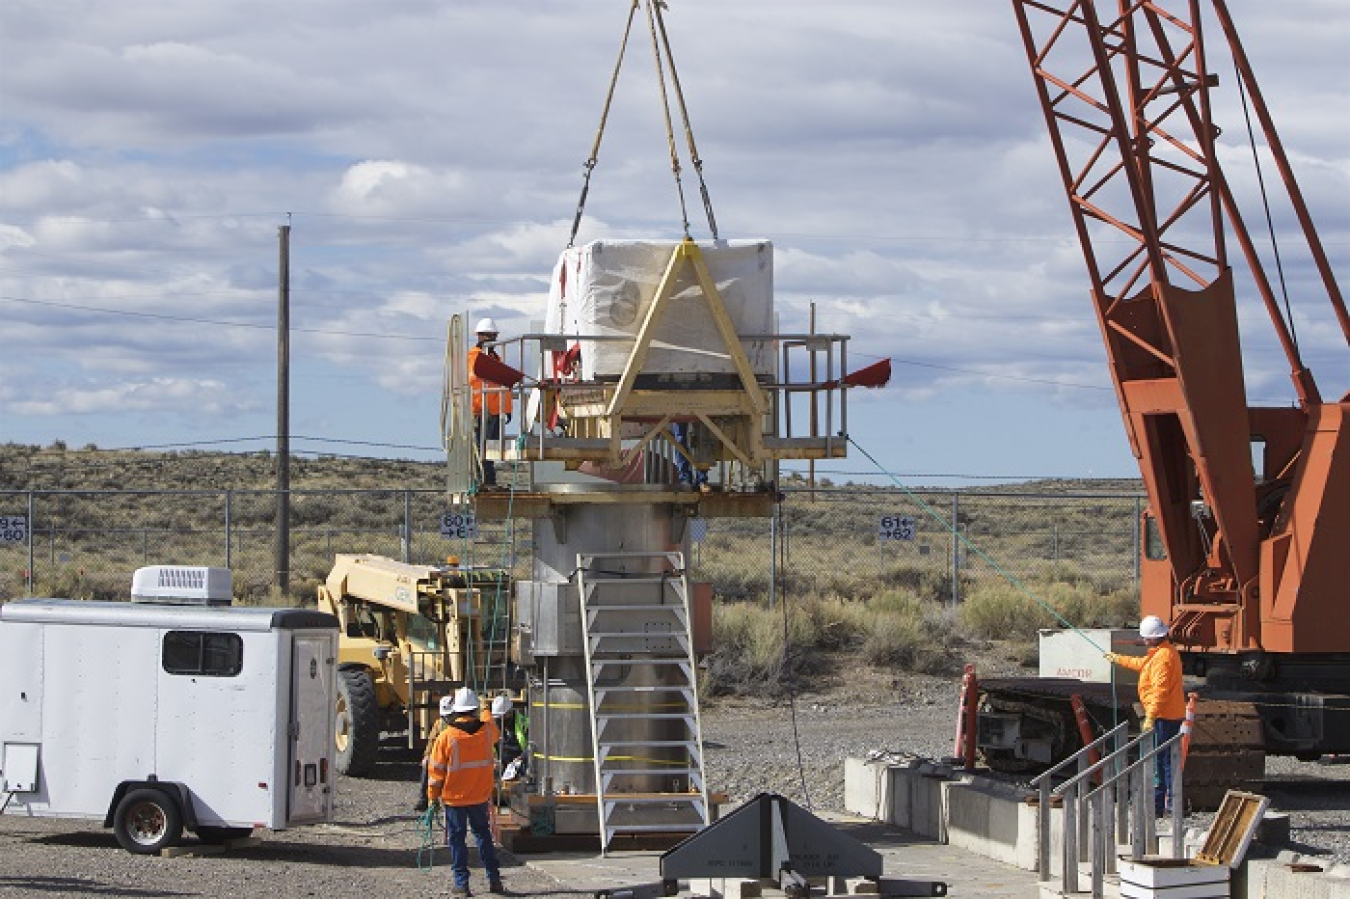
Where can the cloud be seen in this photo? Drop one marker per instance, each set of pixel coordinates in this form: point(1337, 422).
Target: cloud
point(172, 396)
point(429, 159)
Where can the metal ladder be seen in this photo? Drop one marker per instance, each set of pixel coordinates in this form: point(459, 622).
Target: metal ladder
point(646, 734)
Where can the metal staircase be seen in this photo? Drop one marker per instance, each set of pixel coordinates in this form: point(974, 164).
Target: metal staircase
point(645, 728)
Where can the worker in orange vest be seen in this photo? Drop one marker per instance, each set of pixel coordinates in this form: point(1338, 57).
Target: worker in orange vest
point(487, 396)
point(461, 777)
point(1163, 696)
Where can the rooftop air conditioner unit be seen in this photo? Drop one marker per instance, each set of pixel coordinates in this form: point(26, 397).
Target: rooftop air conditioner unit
point(182, 585)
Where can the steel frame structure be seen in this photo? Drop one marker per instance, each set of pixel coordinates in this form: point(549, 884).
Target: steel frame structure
point(1251, 559)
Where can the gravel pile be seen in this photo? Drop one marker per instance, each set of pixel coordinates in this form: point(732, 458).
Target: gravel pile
point(372, 846)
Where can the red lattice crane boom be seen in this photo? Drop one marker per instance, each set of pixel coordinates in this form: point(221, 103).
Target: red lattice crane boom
point(1256, 566)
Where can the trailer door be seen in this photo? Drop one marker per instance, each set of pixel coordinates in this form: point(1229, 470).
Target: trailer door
point(312, 705)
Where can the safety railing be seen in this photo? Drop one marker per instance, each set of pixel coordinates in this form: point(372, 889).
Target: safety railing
point(559, 415)
point(428, 680)
point(1104, 797)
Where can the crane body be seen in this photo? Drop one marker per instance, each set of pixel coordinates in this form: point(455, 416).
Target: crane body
point(1249, 505)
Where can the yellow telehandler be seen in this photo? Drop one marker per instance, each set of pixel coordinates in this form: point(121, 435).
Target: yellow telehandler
point(410, 634)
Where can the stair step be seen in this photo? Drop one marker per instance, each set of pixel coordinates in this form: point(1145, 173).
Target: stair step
point(655, 799)
point(637, 607)
point(653, 828)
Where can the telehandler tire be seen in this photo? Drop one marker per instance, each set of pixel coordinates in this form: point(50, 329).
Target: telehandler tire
point(358, 722)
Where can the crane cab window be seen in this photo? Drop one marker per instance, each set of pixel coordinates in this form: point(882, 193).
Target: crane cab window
point(203, 653)
point(424, 631)
point(1154, 550)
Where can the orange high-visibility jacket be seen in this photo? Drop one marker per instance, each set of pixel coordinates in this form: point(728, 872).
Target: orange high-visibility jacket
point(1160, 687)
point(460, 769)
point(498, 400)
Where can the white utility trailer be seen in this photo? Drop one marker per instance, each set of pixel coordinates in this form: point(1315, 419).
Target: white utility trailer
point(174, 711)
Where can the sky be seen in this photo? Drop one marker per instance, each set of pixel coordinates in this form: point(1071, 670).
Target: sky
point(428, 157)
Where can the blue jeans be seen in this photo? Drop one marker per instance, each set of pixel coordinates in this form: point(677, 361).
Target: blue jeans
point(1164, 729)
point(686, 468)
point(459, 819)
point(487, 429)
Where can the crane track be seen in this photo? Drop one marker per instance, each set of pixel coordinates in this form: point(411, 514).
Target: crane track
point(1226, 748)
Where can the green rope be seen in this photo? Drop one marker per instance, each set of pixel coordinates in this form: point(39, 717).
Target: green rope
point(1007, 575)
point(966, 542)
point(426, 829)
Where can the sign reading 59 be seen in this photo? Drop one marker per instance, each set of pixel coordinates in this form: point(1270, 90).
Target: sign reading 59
point(895, 527)
point(13, 528)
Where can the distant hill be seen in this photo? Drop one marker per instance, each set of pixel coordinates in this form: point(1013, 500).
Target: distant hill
point(57, 467)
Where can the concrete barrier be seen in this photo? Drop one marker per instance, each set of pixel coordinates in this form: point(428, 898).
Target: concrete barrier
point(907, 793)
point(993, 819)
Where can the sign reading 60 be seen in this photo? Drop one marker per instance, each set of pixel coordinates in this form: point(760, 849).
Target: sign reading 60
point(13, 528)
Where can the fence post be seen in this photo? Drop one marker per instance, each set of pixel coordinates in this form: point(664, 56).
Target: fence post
point(1138, 526)
point(229, 541)
point(407, 527)
point(956, 548)
point(32, 523)
point(773, 556)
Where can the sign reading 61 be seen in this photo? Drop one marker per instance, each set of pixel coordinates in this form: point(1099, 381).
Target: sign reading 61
point(895, 527)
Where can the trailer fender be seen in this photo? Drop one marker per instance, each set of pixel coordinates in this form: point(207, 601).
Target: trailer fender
point(176, 791)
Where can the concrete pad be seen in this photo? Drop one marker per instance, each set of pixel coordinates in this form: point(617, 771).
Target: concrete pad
point(905, 856)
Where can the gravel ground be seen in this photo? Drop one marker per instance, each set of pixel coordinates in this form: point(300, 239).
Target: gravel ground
point(372, 845)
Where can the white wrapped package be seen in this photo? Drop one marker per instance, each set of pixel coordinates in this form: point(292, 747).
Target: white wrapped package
point(604, 289)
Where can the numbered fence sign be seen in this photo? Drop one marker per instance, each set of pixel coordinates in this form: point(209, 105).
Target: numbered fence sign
point(459, 525)
point(13, 528)
point(895, 527)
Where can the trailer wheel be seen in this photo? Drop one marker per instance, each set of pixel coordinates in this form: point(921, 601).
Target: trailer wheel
point(358, 722)
point(147, 821)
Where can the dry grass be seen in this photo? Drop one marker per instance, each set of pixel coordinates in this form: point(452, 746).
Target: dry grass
point(894, 630)
point(1009, 613)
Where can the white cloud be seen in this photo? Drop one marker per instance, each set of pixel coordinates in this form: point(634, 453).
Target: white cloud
point(430, 157)
point(172, 396)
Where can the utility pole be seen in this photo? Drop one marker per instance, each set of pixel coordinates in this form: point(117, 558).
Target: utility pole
point(283, 561)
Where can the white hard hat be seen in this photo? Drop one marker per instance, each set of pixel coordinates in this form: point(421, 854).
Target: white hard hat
point(486, 326)
point(500, 705)
point(466, 700)
point(447, 705)
point(1152, 627)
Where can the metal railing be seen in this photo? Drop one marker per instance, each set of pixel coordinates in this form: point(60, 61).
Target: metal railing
point(1104, 797)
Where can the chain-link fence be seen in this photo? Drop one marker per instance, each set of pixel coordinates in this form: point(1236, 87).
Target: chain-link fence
point(851, 541)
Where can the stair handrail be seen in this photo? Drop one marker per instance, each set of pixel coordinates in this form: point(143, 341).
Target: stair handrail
point(1093, 805)
point(1044, 783)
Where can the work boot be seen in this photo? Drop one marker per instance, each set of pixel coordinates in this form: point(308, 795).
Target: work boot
point(459, 893)
point(496, 886)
